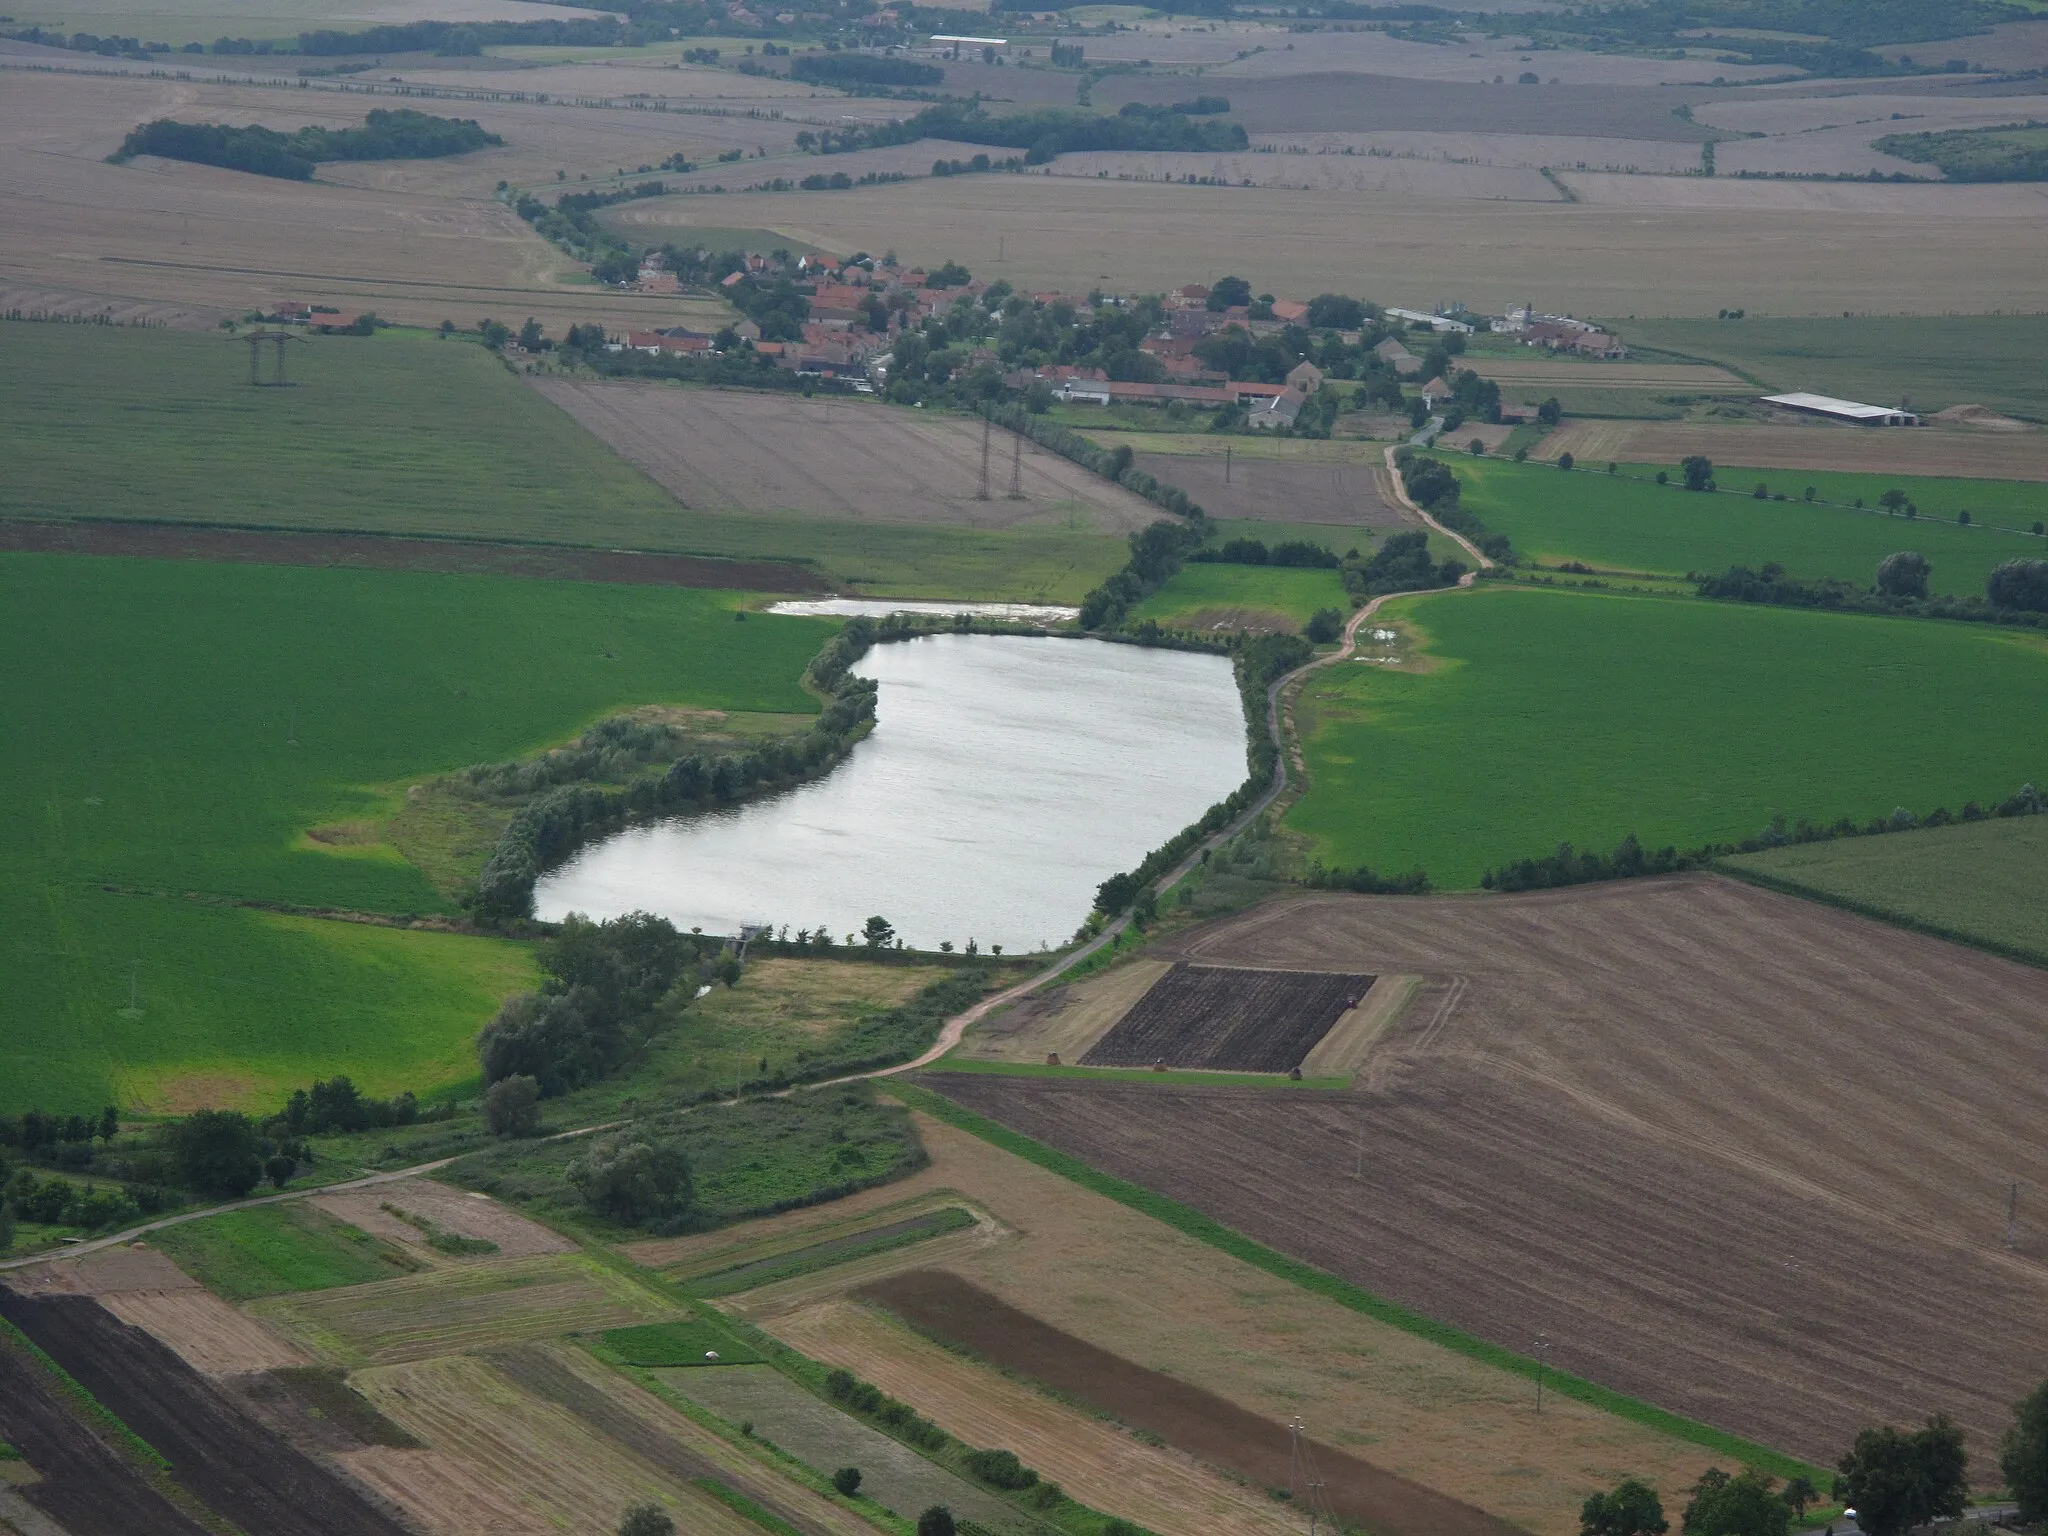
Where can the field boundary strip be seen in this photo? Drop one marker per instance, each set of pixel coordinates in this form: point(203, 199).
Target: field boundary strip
point(1879, 913)
point(1192, 1223)
point(1175, 1076)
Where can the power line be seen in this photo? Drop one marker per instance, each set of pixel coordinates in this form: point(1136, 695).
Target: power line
point(986, 428)
point(1016, 466)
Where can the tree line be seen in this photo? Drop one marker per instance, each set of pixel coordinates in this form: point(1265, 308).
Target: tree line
point(387, 134)
point(2015, 593)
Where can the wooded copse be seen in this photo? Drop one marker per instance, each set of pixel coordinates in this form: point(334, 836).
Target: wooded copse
point(397, 133)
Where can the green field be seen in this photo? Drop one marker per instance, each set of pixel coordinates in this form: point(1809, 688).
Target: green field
point(1993, 505)
point(273, 1248)
point(1547, 717)
point(682, 1343)
point(1979, 882)
point(402, 433)
point(1240, 596)
point(1618, 522)
point(176, 727)
point(1933, 361)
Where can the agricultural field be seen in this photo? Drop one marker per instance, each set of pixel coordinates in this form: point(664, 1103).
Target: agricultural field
point(1495, 1169)
point(1064, 1254)
point(1230, 1020)
point(875, 496)
point(1064, 1019)
point(238, 1469)
point(1249, 597)
point(1935, 360)
point(268, 1249)
point(1630, 523)
point(180, 21)
point(1978, 883)
point(179, 727)
point(1533, 718)
point(1346, 493)
point(1932, 452)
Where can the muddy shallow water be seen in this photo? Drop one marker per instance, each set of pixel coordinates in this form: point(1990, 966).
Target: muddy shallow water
point(1005, 779)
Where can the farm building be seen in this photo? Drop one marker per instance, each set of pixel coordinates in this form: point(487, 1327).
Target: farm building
point(1844, 410)
point(1281, 410)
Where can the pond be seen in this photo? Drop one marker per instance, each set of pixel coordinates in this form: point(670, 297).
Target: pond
point(1006, 777)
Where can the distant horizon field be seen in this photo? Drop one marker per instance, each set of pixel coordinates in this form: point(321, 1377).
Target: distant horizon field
point(1624, 523)
point(1542, 717)
point(177, 726)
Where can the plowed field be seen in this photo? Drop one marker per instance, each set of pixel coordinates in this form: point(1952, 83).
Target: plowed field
point(1278, 490)
point(1231, 1020)
point(1735, 1154)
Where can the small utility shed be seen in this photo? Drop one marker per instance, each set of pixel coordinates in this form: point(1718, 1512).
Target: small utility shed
point(1851, 411)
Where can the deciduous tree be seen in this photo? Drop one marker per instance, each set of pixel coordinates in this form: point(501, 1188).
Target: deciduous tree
point(1898, 1479)
point(2023, 1456)
point(1630, 1508)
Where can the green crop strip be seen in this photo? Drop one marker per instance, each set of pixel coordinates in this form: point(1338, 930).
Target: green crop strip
point(1204, 1229)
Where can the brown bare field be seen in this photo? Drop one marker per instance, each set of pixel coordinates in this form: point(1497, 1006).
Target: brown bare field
point(441, 1493)
point(1229, 1018)
point(1529, 150)
point(1895, 451)
point(1319, 173)
point(156, 233)
point(104, 1273)
point(36, 302)
point(729, 451)
point(1600, 256)
point(208, 1334)
point(536, 1454)
point(487, 1305)
point(1665, 378)
point(1096, 1461)
point(1062, 1019)
point(164, 541)
point(1350, 492)
point(1408, 1406)
point(1617, 1082)
point(1350, 1041)
point(462, 1212)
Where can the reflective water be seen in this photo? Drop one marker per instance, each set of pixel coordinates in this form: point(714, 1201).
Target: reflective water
point(1006, 778)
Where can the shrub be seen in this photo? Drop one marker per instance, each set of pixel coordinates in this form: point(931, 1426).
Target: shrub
point(633, 1181)
point(847, 1481)
point(1903, 574)
point(1001, 1469)
point(216, 1152)
point(2019, 584)
point(936, 1521)
point(646, 1520)
point(512, 1107)
point(1324, 625)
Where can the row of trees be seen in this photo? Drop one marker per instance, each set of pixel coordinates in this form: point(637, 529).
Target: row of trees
point(2016, 592)
point(1895, 1480)
point(387, 134)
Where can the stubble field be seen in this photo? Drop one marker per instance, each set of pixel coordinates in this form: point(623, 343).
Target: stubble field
point(1346, 492)
point(1927, 451)
point(1618, 1080)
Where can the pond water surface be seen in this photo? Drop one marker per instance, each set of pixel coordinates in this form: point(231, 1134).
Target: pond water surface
point(1006, 778)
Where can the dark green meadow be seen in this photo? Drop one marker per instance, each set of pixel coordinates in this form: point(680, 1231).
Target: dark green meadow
point(1628, 522)
point(174, 730)
point(1539, 717)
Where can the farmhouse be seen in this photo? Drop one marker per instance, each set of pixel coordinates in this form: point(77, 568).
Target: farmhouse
point(1843, 410)
point(1282, 410)
point(1404, 362)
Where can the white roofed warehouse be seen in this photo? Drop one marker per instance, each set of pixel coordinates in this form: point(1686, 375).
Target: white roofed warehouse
point(1844, 410)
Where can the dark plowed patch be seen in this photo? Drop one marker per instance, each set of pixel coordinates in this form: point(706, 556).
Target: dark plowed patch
point(1188, 1418)
point(545, 562)
point(236, 1466)
point(1229, 1020)
point(85, 1487)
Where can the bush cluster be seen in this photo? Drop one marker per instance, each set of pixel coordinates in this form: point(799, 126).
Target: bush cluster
point(1400, 564)
point(870, 1402)
point(387, 134)
point(2017, 592)
point(1294, 553)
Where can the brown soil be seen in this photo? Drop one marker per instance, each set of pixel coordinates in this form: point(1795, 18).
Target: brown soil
point(1736, 1154)
point(207, 1333)
point(240, 1469)
point(442, 1494)
point(1279, 491)
point(165, 541)
point(735, 451)
point(453, 1210)
point(1228, 1019)
point(103, 1273)
point(1208, 1426)
point(84, 1486)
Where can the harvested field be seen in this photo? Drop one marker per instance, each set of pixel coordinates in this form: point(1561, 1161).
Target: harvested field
point(462, 1212)
point(82, 1484)
point(314, 1407)
point(240, 1469)
point(1350, 1041)
point(486, 1305)
point(1619, 1079)
point(104, 1273)
point(1319, 173)
point(1410, 1406)
point(723, 451)
point(1770, 245)
point(1660, 378)
point(1899, 451)
point(832, 1251)
point(37, 303)
point(207, 1333)
point(1208, 1426)
point(1531, 150)
point(1096, 1461)
point(443, 1494)
point(1229, 1020)
point(165, 541)
point(1344, 494)
point(684, 1258)
point(1063, 1020)
point(825, 1439)
point(537, 1455)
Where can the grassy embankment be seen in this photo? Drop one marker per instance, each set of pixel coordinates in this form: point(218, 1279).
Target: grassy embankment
point(402, 433)
point(1203, 597)
point(1979, 883)
point(1936, 361)
point(176, 727)
point(1529, 718)
point(1617, 522)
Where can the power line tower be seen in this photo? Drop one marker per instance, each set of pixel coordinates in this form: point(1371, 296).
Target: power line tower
point(256, 339)
point(1016, 466)
point(1305, 1481)
point(987, 427)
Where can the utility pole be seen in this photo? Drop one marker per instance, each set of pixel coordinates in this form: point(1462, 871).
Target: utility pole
point(1305, 1482)
point(1542, 1365)
point(1016, 466)
point(134, 1008)
point(1226, 463)
point(986, 427)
